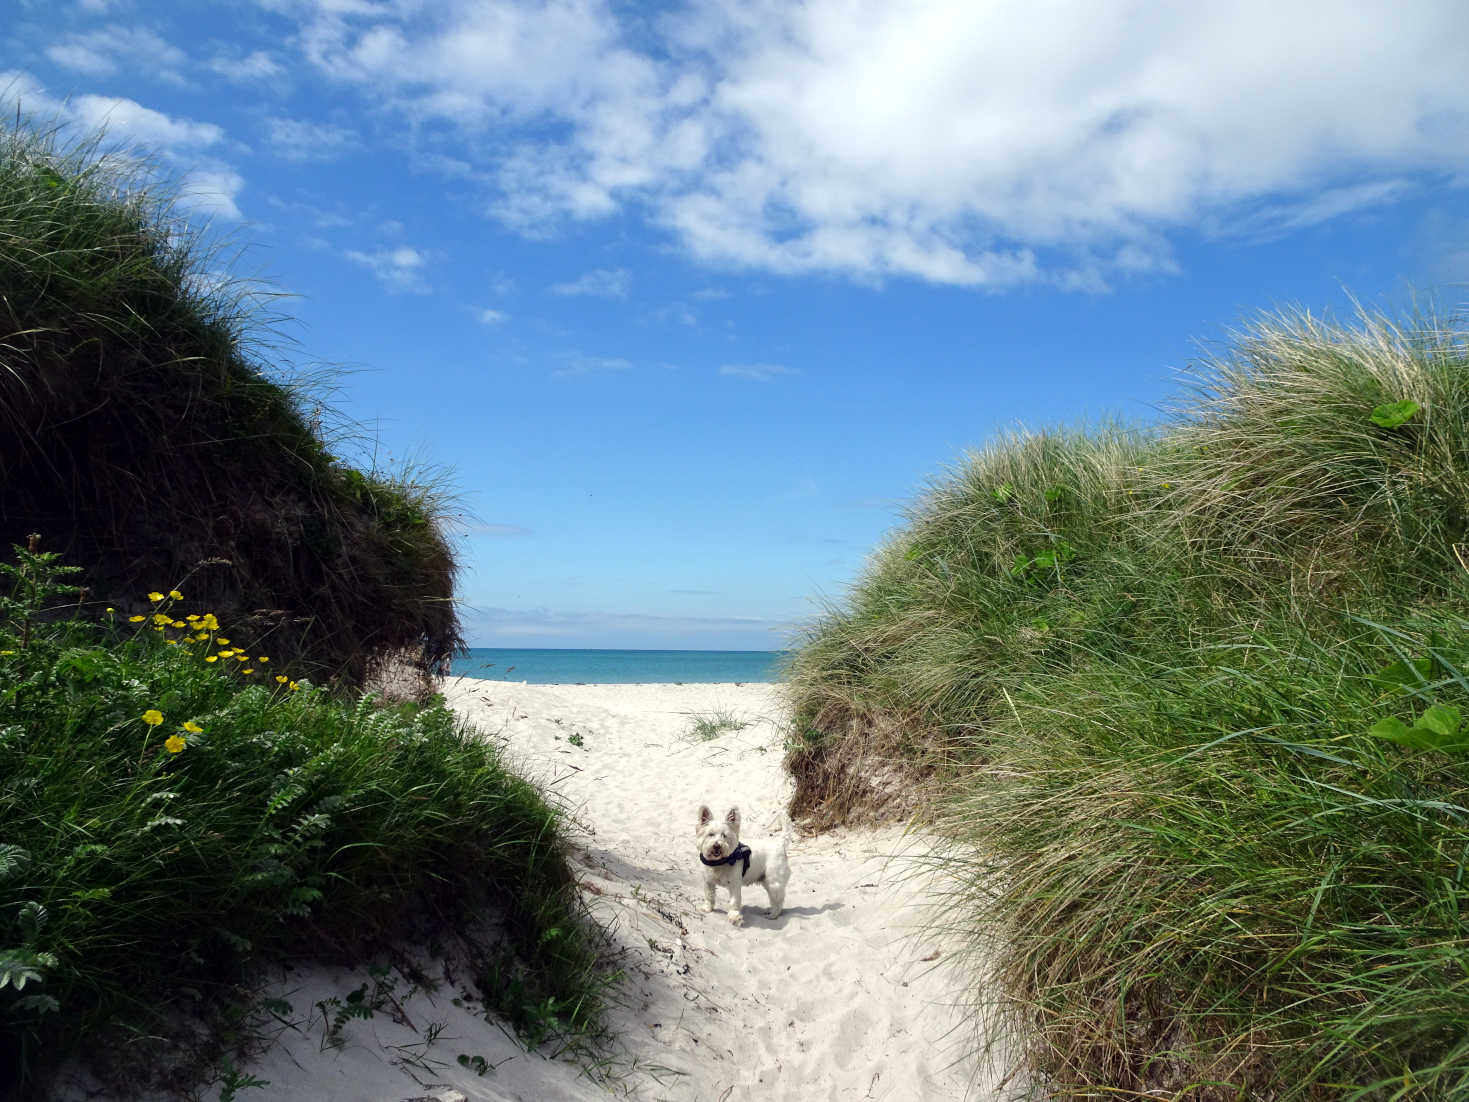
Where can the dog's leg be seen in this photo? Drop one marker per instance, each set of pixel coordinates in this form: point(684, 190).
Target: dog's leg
point(709, 892)
point(734, 899)
point(777, 893)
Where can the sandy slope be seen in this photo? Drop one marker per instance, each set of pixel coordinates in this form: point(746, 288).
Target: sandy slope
point(839, 998)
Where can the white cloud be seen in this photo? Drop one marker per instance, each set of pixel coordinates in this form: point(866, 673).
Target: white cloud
point(760, 373)
point(104, 52)
point(133, 122)
point(493, 317)
point(579, 365)
point(303, 140)
point(400, 268)
point(258, 65)
point(211, 191)
point(600, 283)
point(943, 140)
point(208, 186)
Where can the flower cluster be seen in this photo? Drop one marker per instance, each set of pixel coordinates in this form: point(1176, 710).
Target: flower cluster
point(196, 628)
point(191, 631)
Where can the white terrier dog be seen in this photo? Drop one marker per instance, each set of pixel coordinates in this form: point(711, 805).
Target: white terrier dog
point(731, 865)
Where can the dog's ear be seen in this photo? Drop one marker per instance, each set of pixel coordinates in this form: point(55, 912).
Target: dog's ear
point(732, 817)
point(705, 815)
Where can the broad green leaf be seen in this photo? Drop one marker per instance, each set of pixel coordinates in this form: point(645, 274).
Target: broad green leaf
point(1393, 414)
point(1441, 719)
point(1395, 730)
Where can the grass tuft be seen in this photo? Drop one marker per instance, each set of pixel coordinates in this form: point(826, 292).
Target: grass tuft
point(1189, 708)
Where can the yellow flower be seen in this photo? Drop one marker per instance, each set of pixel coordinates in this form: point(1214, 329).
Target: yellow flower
point(174, 743)
point(280, 678)
point(293, 686)
point(160, 619)
point(221, 640)
point(209, 622)
point(248, 669)
point(110, 610)
point(264, 659)
point(177, 624)
point(211, 658)
point(175, 594)
point(241, 656)
point(152, 717)
point(136, 619)
point(203, 635)
point(192, 727)
point(191, 617)
point(155, 596)
point(171, 642)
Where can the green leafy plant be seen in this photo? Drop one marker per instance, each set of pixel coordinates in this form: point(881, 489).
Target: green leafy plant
point(1390, 415)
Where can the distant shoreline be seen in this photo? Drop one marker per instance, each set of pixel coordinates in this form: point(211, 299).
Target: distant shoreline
point(608, 666)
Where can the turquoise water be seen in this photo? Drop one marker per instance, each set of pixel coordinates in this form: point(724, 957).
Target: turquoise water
point(618, 667)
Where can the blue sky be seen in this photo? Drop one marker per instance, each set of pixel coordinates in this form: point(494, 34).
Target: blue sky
point(693, 298)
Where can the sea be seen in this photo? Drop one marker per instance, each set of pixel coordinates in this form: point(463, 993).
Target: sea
point(619, 667)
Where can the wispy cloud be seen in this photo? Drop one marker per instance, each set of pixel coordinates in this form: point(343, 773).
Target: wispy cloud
point(948, 141)
point(303, 140)
point(579, 366)
point(601, 283)
point(400, 268)
point(759, 373)
point(493, 317)
point(551, 623)
point(252, 68)
point(104, 52)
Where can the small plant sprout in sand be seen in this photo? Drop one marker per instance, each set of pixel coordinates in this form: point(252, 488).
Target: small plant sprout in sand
point(713, 725)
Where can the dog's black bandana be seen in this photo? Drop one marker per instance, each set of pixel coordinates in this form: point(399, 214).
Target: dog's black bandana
point(741, 853)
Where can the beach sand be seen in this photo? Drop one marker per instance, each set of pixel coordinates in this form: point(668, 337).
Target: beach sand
point(842, 997)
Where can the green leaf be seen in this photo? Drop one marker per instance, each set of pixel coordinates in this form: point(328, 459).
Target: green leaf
point(1003, 493)
point(14, 861)
point(1420, 737)
point(1393, 414)
point(1405, 673)
point(1395, 730)
point(31, 920)
point(1441, 719)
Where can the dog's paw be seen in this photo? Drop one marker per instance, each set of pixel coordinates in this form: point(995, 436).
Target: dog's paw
point(735, 918)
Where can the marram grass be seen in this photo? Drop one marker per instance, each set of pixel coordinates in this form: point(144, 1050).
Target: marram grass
point(177, 812)
point(1188, 706)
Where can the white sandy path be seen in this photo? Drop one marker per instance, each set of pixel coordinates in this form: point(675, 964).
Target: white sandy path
point(837, 999)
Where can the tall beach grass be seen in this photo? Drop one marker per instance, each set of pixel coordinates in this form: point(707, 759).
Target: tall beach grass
point(1151, 687)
